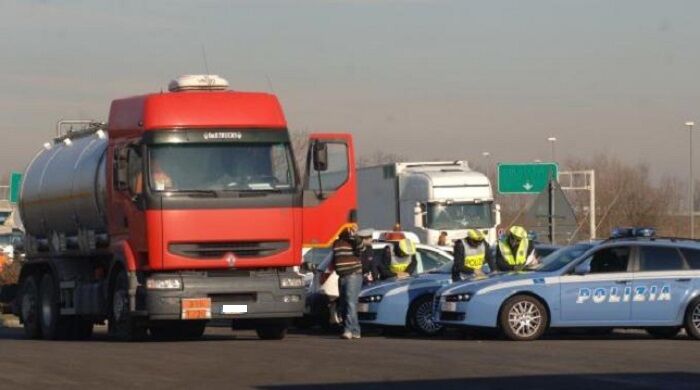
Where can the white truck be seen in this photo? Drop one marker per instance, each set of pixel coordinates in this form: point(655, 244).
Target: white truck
point(427, 198)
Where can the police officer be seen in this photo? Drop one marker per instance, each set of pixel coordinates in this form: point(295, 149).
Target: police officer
point(366, 253)
point(515, 251)
point(348, 266)
point(398, 258)
point(470, 255)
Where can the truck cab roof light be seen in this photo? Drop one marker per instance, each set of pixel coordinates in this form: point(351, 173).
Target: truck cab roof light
point(198, 82)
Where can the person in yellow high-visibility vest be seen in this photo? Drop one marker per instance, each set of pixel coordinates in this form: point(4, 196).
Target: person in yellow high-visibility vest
point(398, 258)
point(515, 252)
point(470, 255)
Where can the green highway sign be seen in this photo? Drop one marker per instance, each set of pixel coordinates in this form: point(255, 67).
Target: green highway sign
point(525, 178)
point(15, 185)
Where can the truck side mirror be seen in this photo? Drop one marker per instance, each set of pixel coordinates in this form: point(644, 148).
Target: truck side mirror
point(320, 155)
point(497, 214)
point(419, 215)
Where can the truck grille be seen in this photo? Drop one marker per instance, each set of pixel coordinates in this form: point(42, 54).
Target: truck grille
point(214, 250)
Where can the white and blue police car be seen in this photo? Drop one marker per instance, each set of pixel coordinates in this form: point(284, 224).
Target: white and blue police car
point(407, 304)
point(632, 280)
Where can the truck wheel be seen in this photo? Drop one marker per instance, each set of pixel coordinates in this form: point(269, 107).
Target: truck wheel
point(272, 331)
point(122, 325)
point(664, 332)
point(692, 319)
point(523, 318)
point(420, 317)
point(53, 325)
point(30, 308)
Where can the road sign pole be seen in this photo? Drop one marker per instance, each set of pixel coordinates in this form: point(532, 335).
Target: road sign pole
point(551, 212)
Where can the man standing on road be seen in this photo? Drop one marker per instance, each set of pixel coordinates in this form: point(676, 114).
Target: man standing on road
point(515, 251)
point(348, 266)
point(470, 255)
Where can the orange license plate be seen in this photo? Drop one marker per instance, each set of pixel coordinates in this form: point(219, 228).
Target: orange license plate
point(196, 308)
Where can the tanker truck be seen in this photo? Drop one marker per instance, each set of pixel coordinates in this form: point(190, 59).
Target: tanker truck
point(184, 209)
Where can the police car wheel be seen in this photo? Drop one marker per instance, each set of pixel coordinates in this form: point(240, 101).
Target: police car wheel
point(420, 317)
point(523, 318)
point(692, 319)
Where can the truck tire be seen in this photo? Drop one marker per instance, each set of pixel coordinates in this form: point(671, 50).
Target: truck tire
point(420, 317)
point(54, 326)
point(178, 330)
point(271, 331)
point(663, 332)
point(692, 319)
point(523, 318)
point(29, 309)
point(122, 325)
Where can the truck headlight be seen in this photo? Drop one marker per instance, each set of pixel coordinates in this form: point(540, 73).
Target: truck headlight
point(294, 282)
point(370, 298)
point(458, 297)
point(164, 283)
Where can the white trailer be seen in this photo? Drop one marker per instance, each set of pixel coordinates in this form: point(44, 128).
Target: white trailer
point(427, 198)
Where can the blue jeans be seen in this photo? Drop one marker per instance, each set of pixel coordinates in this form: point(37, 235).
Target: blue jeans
point(350, 287)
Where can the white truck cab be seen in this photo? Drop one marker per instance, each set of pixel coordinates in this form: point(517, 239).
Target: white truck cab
point(427, 198)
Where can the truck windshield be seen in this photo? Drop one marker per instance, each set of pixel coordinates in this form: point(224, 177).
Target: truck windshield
point(221, 167)
point(456, 216)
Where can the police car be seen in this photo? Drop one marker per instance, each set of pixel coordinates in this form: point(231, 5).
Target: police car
point(632, 280)
point(408, 303)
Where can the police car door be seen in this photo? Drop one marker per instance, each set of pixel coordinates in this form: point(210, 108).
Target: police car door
point(597, 297)
point(660, 287)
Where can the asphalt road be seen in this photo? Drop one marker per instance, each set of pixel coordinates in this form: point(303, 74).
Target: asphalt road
point(223, 359)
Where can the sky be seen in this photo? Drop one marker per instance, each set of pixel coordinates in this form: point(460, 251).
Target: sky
point(426, 79)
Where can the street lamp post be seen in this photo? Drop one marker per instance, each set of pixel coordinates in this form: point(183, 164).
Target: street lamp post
point(487, 157)
point(552, 141)
point(691, 182)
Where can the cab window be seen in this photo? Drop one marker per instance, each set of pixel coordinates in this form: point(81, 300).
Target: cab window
point(337, 173)
point(653, 258)
point(610, 260)
point(692, 257)
point(430, 260)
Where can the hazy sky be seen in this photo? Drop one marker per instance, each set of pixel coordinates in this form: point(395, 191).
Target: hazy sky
point(427, 79)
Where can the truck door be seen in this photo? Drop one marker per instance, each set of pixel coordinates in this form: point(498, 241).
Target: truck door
point(330, 189)
point(128, 215)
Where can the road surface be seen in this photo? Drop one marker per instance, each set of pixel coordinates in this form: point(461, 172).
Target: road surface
point(223, 359)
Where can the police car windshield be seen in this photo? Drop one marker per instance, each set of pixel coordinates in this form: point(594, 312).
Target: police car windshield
point(221, 167)
point(559, 258)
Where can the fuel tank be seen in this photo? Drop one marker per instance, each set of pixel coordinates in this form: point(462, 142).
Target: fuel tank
point(62, 203)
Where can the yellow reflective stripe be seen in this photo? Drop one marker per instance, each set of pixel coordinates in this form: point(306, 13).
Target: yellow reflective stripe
point(399, 267)
point(474, 261)
point(521, 256)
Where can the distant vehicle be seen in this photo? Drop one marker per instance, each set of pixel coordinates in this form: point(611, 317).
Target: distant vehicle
point(409, 302)
point(631, 280)
point(323, 292)
point(427, 198)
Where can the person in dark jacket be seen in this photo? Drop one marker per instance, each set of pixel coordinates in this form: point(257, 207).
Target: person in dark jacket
point(348, 266)
point(470, 255)
point(515, 251)
point(398, 257)
point(366, 253)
